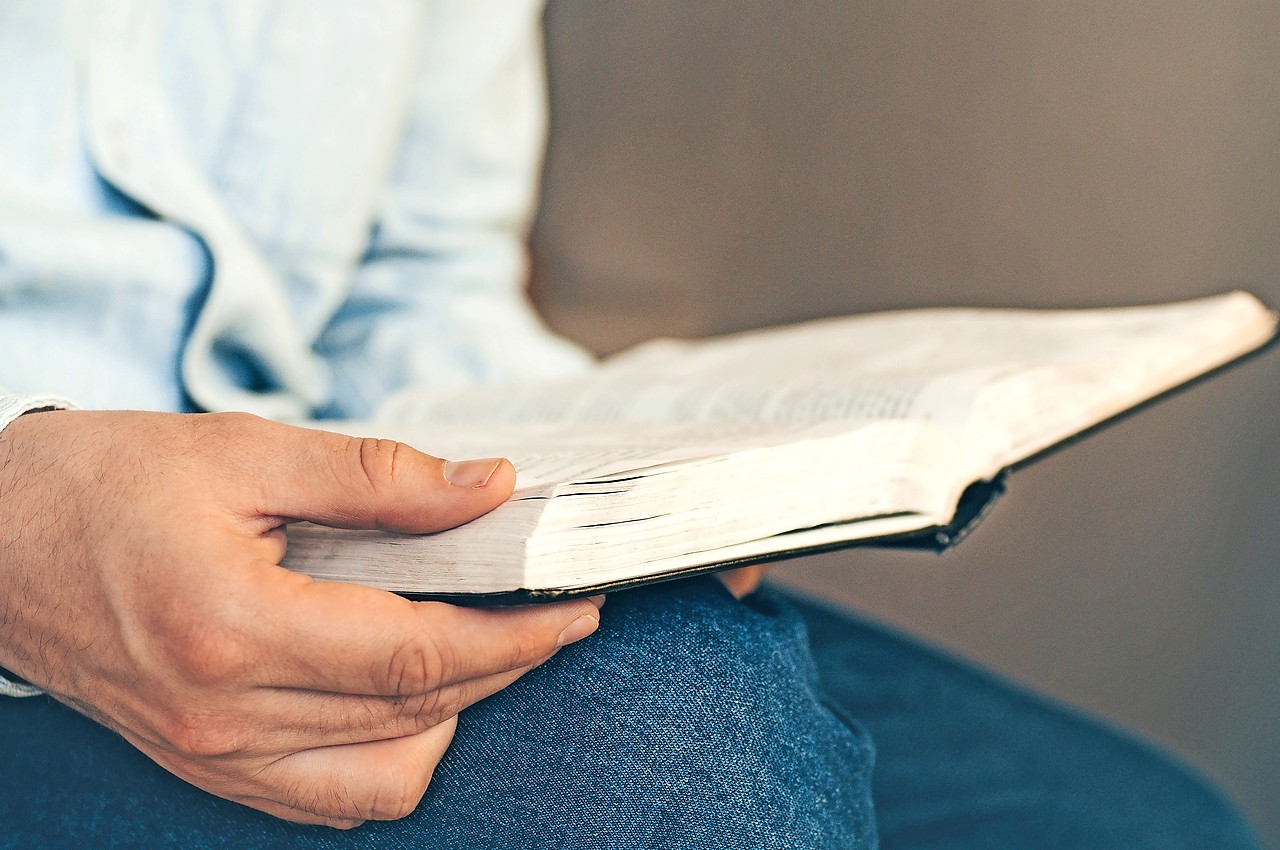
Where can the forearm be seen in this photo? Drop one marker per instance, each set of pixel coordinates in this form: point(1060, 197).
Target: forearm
point(11, 407)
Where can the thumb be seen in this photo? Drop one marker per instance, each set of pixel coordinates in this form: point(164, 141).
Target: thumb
point(363, 482)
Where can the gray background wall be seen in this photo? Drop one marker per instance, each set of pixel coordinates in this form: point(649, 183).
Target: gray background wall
point(718, 165)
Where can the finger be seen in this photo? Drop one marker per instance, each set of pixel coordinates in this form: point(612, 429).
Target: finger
point(741, 581)
point(344, 638)
point(380, 780)
point(273, 721)
point(336, 719)
point(280, 810)
point(353, 482)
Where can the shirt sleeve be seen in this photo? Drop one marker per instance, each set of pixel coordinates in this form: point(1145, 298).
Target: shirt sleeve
point(11, 407)
point(439, 298)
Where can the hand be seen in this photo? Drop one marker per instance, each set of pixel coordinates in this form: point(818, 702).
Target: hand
point(742, 581)
point(140, 583)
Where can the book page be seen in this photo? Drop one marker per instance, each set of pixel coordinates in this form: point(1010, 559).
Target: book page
point(548, 453)
point(895, 366)
point(1090, 367)
point(1034, 371)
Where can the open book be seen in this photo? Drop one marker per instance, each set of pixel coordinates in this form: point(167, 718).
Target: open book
point(676, 457)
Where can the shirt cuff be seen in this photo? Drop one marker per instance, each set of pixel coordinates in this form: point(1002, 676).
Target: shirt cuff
point(16, 687)
point(11, 407)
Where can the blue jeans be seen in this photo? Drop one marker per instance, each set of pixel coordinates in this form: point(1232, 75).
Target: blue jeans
point(691, 720)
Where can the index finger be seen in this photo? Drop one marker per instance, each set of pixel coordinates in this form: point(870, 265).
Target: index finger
point(352, 639)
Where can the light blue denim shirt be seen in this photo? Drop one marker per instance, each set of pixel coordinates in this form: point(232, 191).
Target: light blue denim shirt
point(288, 207)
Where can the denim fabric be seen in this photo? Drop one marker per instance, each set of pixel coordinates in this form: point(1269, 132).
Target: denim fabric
point(694, 721)
point(967, 760)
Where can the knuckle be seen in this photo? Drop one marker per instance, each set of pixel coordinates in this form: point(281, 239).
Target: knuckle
point(218, 663)
point(416, 666)
point(425, 710)
point(199, 734)
point(207, 650)
point(379, 461)
point(396, 796)
point(235, 422)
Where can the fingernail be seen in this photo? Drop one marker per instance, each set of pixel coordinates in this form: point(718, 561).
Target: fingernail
point(471, 473)
point(578, 629)
point(597, 601)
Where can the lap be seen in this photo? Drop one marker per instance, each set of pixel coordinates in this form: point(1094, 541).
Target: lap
point(966, 759)
point(690, 720)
